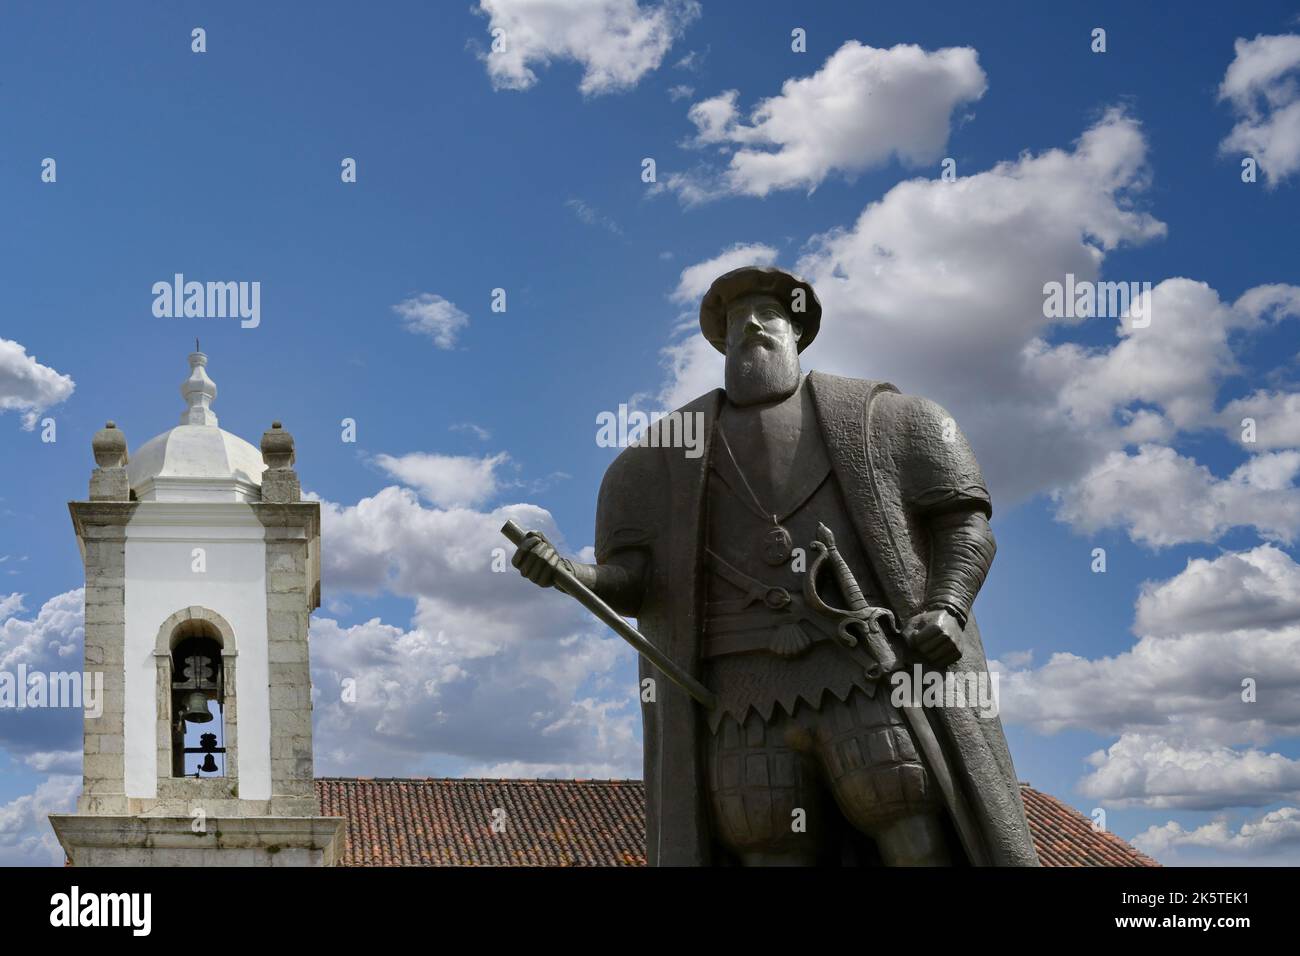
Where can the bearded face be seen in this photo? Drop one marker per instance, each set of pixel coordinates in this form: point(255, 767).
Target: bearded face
point(762, 351)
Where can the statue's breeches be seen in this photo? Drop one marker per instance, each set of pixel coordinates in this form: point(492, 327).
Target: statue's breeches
point(851, 760)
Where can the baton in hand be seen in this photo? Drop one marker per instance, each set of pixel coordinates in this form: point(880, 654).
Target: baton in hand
point(571, 586)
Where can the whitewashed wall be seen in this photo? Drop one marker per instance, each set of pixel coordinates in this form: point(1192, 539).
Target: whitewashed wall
point(160, 540)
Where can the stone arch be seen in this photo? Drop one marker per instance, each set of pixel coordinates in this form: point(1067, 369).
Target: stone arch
point(169, 633)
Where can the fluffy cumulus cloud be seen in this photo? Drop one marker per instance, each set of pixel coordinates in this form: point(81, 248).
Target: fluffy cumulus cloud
point(489, 671)
point(447, 481)
point(27, 386)
point(1194, 705)
point(1213, 678)
point(433, 316)
point(1163, 498)
point(25, 835)
point(1262, 86)
point(1270, 418)
point(616, 42)
point(1237, 591)
point(1152, 771)
point(864, 107)
point(1272, 838)
point(50, 640)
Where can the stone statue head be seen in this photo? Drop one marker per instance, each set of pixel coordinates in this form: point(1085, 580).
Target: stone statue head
point(762, 350)
point(761, 319)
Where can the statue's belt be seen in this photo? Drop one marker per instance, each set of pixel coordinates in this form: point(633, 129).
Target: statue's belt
point(767, 618)
point(738, 626)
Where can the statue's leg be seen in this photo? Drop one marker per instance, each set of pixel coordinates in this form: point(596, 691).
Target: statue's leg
point(768, 806)
point(879, 780)
point(916, 840)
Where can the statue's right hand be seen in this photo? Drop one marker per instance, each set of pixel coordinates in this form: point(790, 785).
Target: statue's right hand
point(537, 560)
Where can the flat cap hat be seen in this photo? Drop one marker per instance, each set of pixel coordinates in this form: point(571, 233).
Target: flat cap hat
point(764, 280)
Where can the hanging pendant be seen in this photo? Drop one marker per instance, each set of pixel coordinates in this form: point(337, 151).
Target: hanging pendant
point(776, 545)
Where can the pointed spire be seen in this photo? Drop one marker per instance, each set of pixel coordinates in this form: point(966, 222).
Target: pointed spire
point(199, 391)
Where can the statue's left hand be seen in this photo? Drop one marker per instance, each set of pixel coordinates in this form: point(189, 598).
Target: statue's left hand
point(934, 635)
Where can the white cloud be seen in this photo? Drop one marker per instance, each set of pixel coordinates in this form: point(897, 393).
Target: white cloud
point(1271, 839)
point(53, 636)
point(693, 61)
point(448, 481)
point(55, 761)
point(680, 92)
point(1236, 591)
point(1170, 371)
point(26, 838)
point(49, 640)
point(434, 316)
point(862, 108)
point(478, 431)
point(591, 216)
point(491, 670)
point(1151, 771)
point(1162, 498)
point(11, 604)
point(27, 386)
point(1262, 85)
point(1276, 416)
point(616, 42)
point(1176, 700)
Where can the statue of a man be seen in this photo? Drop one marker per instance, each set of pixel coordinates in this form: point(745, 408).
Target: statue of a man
point(807, 757)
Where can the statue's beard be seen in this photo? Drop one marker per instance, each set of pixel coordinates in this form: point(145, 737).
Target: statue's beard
point(758, 372)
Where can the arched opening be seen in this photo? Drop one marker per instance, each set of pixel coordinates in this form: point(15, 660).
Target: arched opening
point(197, 717)
point(198, 691)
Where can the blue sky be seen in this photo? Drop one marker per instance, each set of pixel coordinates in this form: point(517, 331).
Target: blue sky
point(523, 172)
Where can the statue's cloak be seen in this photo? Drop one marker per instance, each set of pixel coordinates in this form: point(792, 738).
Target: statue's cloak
point(897, 458)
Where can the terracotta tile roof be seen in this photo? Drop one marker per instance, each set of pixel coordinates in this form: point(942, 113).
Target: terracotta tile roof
point(1064, 837)
point(448, 822)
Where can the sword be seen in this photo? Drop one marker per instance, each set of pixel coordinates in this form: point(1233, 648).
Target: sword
point(571, 586)
point(863, 620)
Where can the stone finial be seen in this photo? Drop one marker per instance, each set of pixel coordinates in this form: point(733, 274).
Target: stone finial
point(279, 481)
point(277, 447)
point(109, 446)
point(199, 393)
point(108, 482)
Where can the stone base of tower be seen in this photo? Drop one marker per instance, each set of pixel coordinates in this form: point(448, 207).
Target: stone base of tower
point(91, 840)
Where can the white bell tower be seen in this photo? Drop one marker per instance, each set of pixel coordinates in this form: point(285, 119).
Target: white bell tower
point(202, 570)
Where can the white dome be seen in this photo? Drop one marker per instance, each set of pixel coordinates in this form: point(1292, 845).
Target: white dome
point(196, 460)
point(196, 463)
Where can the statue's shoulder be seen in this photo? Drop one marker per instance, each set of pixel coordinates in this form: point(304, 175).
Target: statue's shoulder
point(674, 432)
point(890, 408)
point(637, 494)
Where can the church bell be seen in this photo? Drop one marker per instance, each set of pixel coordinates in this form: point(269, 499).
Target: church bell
point(195, 708)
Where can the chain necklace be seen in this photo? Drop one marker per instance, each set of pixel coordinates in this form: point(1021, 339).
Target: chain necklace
point(775, 544)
